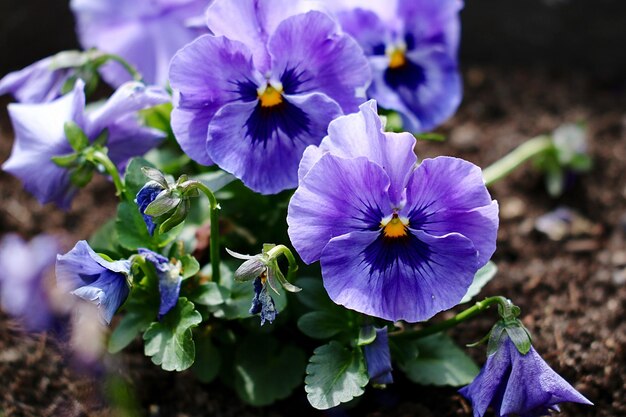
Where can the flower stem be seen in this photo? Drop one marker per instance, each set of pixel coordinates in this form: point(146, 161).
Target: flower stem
point(127, 66)
point(103, 159)
point(215, 230)
point(464, 315)
point(293, 265)
point(515, 158)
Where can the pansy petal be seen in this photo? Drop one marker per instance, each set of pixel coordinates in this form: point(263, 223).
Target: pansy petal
point(108, 292)
point(378, 358)
point(448, 195)
point(205, 75)
point(309, 53)
point(336, 197)
point(37, 83)
point(366, 27)
point(411, 278)
point(430, 21)
point(127, 99)
point(262, 146)
point(252, 22)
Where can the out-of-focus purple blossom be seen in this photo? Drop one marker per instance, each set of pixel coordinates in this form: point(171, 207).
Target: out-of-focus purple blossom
point(378, 358)
point(87, 275)
point(394, 241)
point(146, 33)
point(170, 279)
point(262, 302)
point(40, 136)
point(514, 384)
point(412, 48)
point(37, 83)
point(255, 95)
point(25, 288)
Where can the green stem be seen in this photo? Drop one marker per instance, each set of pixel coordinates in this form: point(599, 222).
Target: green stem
point(128, 67)
point(147, 270)
point(293, 265)
point(515, 158)
point(215, 230)
point(103, 159)
point(448, 324)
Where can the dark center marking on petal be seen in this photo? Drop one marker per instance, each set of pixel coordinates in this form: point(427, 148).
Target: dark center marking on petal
point(402, 72)
point(265, 122)
point(385, 252)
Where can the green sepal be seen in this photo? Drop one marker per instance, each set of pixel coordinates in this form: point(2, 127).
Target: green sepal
point(102, 138)
point(495, 336)
point(367, 335)
point(81, 175)
point(75, 136)
point(336, 374)
point(65, 161)
point(169, 342)
point(164, 202)
point(176, 218)
point(190, 266)
point(519, 336)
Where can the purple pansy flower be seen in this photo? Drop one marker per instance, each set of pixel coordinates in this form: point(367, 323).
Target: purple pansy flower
point(87, 275)
point(146, 33)
point(169, 279)
point(412, 48)
point(254, 96)
point(37, 83)
point(24, 270)
point(39, 136)
point(394, 241)
point(514, 384)
point(262, 302)
point(378, 358)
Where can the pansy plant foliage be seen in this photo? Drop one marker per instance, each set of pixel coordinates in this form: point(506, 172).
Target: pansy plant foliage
point(268, 96)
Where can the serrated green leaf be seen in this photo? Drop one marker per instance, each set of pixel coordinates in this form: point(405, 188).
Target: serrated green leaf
point(321, 324)
point(141, 309)
point(439, 362)
point(481, 278)
point(266, 371)
point(169, 342)
point(207, 364)
point(335, 375)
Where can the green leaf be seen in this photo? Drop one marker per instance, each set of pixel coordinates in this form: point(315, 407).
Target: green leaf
point(141, 309)
point(314, 295)
point(210, 294)
point(335, 375)
point(105, 239)
point(439, 362)
point(133, 233)
point(134, 178)
point(322, 324)
point(207, 363)
point(170, 342)
point(75, 136)
point(266, 371)
point(190, 266)
point(482, 277)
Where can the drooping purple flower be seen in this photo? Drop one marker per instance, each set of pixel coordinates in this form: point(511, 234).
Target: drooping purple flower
point(412, 48)
point(394, 241)
point(39, 136)
point(378, 358)
point(254, 96)
point(24, 272)
point(262, 302)
point(514, 384)
point(87, 275)
point(169, 279)
point(146, 33)
point(37, 83)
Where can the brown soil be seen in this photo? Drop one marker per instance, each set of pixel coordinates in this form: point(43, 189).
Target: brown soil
point(572, 292)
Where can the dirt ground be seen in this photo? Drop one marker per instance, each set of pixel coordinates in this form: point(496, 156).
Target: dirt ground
point(572, 291)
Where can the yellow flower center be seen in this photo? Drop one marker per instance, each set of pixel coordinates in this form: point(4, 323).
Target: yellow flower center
point(397, 58)
point(394, 226)
point(270, 97)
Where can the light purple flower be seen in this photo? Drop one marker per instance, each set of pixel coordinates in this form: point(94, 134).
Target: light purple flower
point(146, 33)
point(87, 275)
point(39, 136)
point(412, 48)
point(514, 384)
point(24, 272)
point(169, 279)
point(378, 358)
point(254, 96)
point(37, 83)
point(394, 241)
